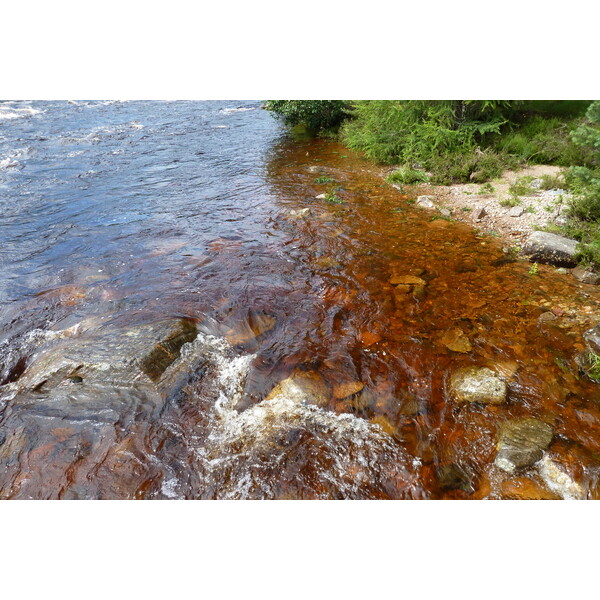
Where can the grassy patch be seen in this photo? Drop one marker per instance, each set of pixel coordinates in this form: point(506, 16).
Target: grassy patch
point(333, 198)
point(521, 187)
point(510, 201)
point(592, 366)
point(487, 188)
point(552, 182)
point(324, 180)
point(476, 166)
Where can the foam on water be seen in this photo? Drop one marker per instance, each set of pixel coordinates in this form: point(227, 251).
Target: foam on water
point(10, 161)
point(97, 134)
point(227, 111)
point(249, 454)
point(8, 112)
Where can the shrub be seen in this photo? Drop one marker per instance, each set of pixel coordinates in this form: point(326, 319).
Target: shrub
point(584, 181)
point(395, 131)
point(315, 115)
point(521, 187)
point(552, 182)
point(476, 166)
point(510, 201)
point(407, 174)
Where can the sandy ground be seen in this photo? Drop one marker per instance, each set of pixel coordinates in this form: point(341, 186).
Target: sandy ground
point(537, 209)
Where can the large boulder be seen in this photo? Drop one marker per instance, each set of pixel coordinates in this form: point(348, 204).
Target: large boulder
point(80, 416)
point(477, 384)
point(549, 248)
point(522, 443)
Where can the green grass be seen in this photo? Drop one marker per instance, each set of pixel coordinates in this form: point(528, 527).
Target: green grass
point(592, 366)
point(324, 180)
point(552, 182)
point(510, 201)
point(521, 187)
point(487, 188)
point(333, 198)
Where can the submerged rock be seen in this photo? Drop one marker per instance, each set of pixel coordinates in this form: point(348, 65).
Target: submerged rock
point(123, 354)
point(405, 284)
point(407, 280)
point(83, 404)
point(300, 213)
point(549, 248)
point(454, 477)
point(522, 443)
point(477, 384)
point(524, 488)
point(559, 481)
point(302, 386)
point(250, 329)
point(348, 388)
point(456, 340)
point(586, 275)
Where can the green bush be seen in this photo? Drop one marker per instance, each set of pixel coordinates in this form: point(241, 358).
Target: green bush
point(315, 115)
point(552, 182)
point(396, 132)
point(460, 167)
point(543, 140)
point(408, 175)
point(584, 181)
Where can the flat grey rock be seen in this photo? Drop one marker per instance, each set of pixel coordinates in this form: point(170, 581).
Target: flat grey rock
point(516, 211)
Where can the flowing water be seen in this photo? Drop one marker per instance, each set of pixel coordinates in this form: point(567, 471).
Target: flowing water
point(124, 220)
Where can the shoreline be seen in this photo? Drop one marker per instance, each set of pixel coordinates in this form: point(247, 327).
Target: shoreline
point(464, 201)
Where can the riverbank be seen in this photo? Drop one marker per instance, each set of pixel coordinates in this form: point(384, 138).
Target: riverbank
point(493, 209)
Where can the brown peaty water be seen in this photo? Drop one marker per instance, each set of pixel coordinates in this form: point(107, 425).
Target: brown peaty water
point(368, 299)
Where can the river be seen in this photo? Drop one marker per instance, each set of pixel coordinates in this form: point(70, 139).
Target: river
point(164, 266)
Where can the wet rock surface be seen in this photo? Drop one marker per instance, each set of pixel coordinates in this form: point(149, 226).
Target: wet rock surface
point(84, 398)
point(303, 386)
point(586, 275)
point(477, 384)
point(522, 443)
point(592, 339)
point(525, 488)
